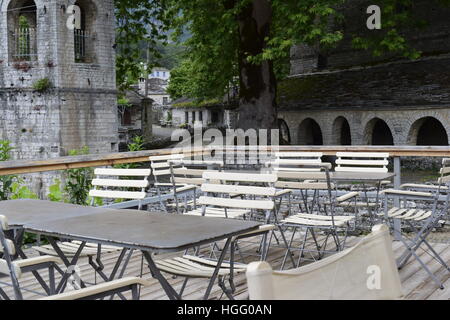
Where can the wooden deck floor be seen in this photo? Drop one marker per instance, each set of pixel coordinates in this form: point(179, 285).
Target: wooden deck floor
point(416, 283)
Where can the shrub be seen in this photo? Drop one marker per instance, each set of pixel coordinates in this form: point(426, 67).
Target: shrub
point(78, 181)
point(42, 85)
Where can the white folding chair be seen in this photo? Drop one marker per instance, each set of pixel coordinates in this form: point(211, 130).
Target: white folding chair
point(292, 162)
point(364, 271)
point(221, 187)
point(18, 267)
point(110, 184)
point(420, 221)
point(440, 186)
point(361, 162)
point(162, 174)
point(320, 212)
point(256, 199)
point(220, 201)
point(186, 175)
point(364, 162)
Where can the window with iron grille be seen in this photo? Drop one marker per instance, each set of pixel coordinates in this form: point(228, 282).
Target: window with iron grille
point(81, 38)
point(83, 44)
point(24, 44)
point(22, 23)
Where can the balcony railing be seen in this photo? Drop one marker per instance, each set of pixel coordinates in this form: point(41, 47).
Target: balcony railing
point(24, 44)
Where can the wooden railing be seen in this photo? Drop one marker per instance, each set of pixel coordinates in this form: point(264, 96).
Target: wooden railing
point(109, 159)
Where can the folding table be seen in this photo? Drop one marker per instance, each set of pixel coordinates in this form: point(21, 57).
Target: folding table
point(130, 229)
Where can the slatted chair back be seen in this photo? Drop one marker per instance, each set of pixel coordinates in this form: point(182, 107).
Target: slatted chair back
point(8, 250)
point(444, 178)
point(110, 183)
point(309, 179)
point(349, 274)
point(190, 172)
point(295, 161)
point(362, 161)
point(239, 156)
point(220, 187)
point(161, 166)
point(442, 185)
point(317, 178)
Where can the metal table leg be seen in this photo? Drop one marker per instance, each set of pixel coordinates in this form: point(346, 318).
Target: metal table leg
point(66, 261)
point(170, 291)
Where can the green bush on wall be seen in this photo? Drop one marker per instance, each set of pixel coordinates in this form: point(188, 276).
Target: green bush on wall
point(42, 85)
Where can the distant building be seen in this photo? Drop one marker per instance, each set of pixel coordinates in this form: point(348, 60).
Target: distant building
point(160, 73)
point(158, 80)
point(130, 114)
point(187, 112)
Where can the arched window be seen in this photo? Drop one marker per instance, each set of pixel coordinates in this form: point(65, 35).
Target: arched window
point(22, 23)
point(83, 39)
point(309, 133)
point(428, 131)
point(341, 132)
point(377, 132)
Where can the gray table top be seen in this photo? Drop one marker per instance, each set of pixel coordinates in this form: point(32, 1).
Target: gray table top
point(361, 176)
point(21, 212)
point(125, 228)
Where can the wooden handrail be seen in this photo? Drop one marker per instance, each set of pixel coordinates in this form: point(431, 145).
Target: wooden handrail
point(109, 159)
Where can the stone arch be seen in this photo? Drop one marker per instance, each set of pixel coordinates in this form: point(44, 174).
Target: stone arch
point(84, 45)
point(427, 131)
point(377, 132)
point(22, 30)
point(341, 134)
point(309, 133)
point(285, 135)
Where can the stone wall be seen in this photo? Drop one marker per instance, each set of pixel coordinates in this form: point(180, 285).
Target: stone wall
point(80, 109)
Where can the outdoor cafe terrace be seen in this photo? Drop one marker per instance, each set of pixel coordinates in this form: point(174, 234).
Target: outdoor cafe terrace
point(300, 222)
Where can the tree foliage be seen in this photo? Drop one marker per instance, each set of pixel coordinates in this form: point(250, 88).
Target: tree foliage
point(212, 60)
point(214, 53)
point(138, 22)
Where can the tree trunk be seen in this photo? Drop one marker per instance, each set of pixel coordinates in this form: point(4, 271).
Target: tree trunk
point(257, 96)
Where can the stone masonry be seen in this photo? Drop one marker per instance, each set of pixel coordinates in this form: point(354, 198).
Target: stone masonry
point(79, 109)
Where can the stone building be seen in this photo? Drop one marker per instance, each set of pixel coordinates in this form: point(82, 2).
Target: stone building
point(157, 83)
point(348, 97)
point(130, 117)
point(212, 113)
point(57, 83)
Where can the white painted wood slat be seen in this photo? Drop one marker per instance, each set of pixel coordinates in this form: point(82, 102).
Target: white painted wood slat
point(113, 194)
point(120, 183)
point(236, 203)
point(122, 172)
point(248, 190)
point(243, 177)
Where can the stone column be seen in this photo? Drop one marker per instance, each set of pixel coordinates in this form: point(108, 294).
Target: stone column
point(146, 104)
